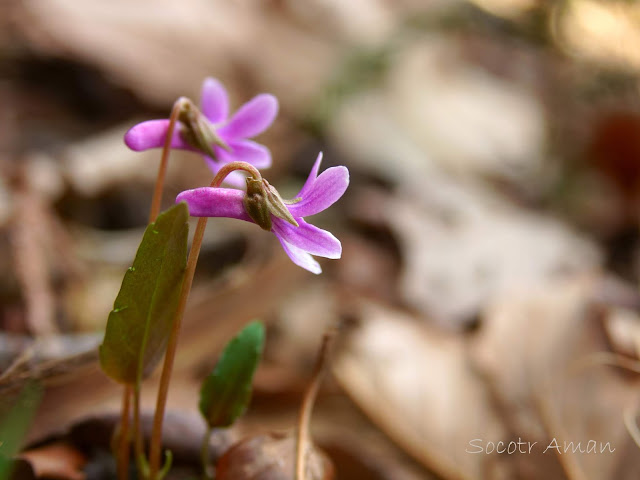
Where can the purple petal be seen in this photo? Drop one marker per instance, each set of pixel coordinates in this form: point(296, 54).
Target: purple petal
point(236, 179)
point(214, 101)
point(300, 257)
point(312, 177)
point(252, 118)
point(324, 192)
point(246, 151)
point(215, 202)
point(308, 237)
point(151, 134)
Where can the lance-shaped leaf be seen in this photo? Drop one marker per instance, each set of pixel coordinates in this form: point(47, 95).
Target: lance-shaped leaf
point(226, 391)
point(139, 324)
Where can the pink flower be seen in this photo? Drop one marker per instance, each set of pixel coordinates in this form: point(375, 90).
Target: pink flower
point(318, 193)
point(251, 119)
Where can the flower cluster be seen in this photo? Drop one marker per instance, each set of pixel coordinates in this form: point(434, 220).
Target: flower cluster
point(222, 141)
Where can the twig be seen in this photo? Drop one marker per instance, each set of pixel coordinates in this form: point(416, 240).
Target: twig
point(307, 404)
point(30, 262)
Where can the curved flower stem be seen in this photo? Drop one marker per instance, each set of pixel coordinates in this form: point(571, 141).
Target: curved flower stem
point(123, 440)
point(164, 160)
point(307, 405)
point(167, 367)
point(232, 166)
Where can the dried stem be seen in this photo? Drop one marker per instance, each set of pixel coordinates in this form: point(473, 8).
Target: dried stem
point(29, 256)
point(307, 404)
point(167, 368)
point(123, 441)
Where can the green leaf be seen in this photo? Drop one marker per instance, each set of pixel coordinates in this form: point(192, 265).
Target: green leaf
point(15, 423)
point(226, 392)
point(139, 325)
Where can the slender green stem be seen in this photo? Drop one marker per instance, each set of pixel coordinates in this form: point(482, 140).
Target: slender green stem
point(204, 455)
point(169, 357)
point(123, 440)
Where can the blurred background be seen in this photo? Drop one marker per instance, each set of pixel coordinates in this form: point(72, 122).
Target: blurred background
point(488, 286)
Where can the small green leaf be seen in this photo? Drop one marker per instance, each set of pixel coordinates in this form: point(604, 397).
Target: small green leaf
point(226, 392)
point(139, 325)
point(15, 423)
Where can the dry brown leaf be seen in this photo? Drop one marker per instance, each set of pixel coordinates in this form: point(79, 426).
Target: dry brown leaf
point(160, 49)
point(540, 350)
point(462, 246)
point(417, 386)
point(438, 109)
point(431, 131)
point(50, 360)
point(57, 460)
point(165, 51)
point(358, 21)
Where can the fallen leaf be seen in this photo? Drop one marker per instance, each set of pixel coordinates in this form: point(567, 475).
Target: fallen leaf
point(57, 460)
point(437, 110)
point(418, 387)
point(463, 246)
point(545, 355)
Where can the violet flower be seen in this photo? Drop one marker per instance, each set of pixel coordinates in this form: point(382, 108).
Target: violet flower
point(251, 119)
point(317, 194)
